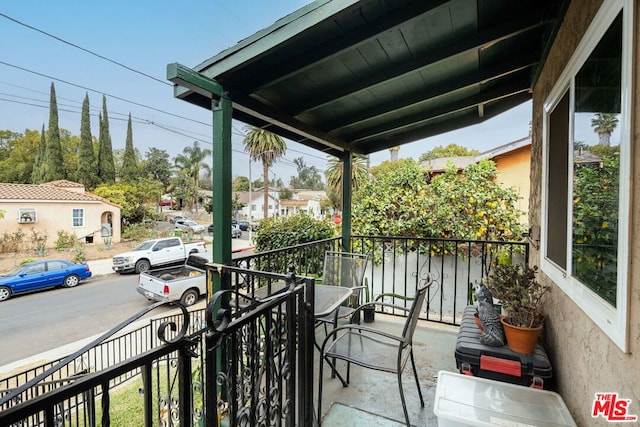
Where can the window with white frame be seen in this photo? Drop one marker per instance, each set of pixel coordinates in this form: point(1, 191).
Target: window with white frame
point(78, 217)
point(587, 162)
point(27, 215)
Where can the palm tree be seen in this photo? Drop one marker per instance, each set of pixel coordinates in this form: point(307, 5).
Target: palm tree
point(359, 172)
point(267, 148)
point(603, 124)
point(191, 162)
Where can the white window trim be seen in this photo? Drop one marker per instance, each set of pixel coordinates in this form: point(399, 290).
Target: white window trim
point(612, 320)
point(84, 218)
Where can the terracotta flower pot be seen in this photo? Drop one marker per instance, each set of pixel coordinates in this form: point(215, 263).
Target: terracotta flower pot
point(521, 340)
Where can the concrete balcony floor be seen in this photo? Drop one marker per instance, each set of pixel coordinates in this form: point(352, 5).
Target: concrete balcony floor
point(373, 398)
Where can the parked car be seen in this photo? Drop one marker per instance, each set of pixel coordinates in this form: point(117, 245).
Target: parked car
point(169, 203)
point(155, 253)
point(42, 274)
point(189, 225)
point(244, 225)
point(236, 233)
point(173, 219)
point(184, 283)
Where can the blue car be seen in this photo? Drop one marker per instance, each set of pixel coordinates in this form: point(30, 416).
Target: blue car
point(42, 274)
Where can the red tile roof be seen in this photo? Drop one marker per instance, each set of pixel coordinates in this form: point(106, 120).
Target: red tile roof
point(46, 192)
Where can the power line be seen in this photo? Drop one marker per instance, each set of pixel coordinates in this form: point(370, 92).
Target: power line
point(104, 93)
point(85, 50)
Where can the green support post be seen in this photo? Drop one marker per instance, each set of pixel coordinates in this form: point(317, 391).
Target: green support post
point(346, 200)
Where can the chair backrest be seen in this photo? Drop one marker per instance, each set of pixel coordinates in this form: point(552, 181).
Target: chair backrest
point(414, 314)
point(344, 269)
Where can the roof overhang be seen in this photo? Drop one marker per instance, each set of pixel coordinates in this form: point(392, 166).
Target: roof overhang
point(367, 75)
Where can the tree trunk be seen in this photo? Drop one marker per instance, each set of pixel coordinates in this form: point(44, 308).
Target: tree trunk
point(265, 189)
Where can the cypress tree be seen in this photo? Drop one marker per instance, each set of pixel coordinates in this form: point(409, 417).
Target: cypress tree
point(86, 158)
point(36, 174)
point(106, 167)
point(129, 171)
point(53, 162)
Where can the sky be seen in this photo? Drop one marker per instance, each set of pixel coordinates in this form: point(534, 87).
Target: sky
point(145, 36)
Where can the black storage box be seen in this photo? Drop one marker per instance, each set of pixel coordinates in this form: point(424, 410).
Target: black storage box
point(499, 363)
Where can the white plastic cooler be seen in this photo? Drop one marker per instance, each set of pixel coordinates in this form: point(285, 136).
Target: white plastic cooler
point(463, 400)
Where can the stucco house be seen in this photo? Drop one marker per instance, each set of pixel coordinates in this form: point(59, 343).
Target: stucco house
point(49, 208)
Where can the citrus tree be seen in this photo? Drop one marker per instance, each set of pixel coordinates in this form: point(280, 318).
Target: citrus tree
point(401, 200)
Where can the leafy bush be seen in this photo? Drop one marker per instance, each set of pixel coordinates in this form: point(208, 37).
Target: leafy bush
point(138, 231)
point(12, 242)
point(401, 200)
point(283, 231)
point(65, 240)
point(78, 253)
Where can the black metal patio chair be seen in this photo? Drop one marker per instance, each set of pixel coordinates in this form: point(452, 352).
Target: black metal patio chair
point(374, 348)
point(344, 269)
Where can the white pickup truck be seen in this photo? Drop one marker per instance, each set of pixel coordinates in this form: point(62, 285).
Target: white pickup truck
point(185, 283)
point(156, 253)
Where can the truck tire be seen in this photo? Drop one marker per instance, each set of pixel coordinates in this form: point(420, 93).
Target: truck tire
point(190, 297)
point(142, 265)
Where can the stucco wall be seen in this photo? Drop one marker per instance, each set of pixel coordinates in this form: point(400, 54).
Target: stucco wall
point(57, 216)
point(510, 172)
point(584, 359)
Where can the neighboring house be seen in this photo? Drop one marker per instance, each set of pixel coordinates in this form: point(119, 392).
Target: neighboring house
point(306, 201)
point(58, 206)
point(513, 163)
point(253, 204)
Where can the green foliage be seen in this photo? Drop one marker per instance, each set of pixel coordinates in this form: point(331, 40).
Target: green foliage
point(27, 261)
point(129, 171)
point(137, 232)
point(39, 241)
point(12, 242)
point(78, 253)
point(106, 166)
point(308, 176)
point(451, 150)
point(86, 172)
point(286, 194)
point(65, 240)
point(280, 232)
point(595, 223)
point(17, 156)
point(138, 200)
point(399, 200)
point(53, 162)
point(240, 183)
point(38, 168)
point(156, 166)
point(520, 294)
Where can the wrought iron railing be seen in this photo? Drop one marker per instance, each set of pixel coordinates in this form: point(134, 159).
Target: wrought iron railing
point(400, 264)
point(236, 364)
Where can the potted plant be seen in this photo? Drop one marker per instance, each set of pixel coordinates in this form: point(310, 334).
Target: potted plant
point(522, 298)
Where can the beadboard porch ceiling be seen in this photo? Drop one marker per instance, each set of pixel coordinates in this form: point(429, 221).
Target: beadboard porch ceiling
point(368, 75)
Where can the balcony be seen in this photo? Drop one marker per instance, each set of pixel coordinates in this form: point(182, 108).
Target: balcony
point(252, 361)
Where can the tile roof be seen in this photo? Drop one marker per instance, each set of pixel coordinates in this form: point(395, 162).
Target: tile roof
point(63, 183)
point(45, 192)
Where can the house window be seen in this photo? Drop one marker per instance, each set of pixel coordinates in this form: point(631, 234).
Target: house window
point(587, 160)
point(27, 216)
point(78, 217)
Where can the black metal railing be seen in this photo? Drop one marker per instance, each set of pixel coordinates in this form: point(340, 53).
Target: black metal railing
point(400, 264)
point(237, 364)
